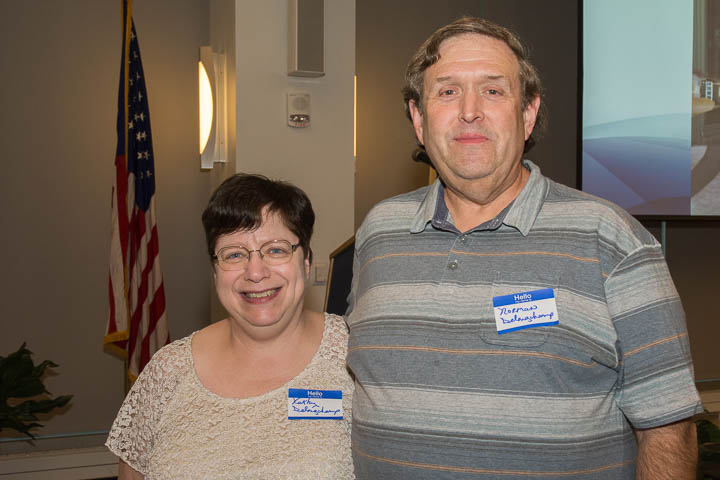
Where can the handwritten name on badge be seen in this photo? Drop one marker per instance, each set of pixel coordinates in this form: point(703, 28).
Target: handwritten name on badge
point(314, 404)
point(525, 310)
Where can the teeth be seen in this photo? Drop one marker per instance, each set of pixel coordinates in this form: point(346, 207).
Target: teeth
point(266, 293)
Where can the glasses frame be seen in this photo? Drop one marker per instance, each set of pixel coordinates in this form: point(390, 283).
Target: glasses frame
point(244, 264)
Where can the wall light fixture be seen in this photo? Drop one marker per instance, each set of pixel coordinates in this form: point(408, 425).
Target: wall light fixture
point(212, 107)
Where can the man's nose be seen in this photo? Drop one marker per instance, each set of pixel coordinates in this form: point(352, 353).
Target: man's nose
point(471, 108)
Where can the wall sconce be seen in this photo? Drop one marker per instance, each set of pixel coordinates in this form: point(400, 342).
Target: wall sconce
point(212, 107)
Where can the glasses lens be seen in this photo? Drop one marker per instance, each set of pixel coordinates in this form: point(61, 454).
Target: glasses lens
point(233, 257)
point(276, 252)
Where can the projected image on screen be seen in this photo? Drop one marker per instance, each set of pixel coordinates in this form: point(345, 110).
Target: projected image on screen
point(648, 145)
point(705, 150)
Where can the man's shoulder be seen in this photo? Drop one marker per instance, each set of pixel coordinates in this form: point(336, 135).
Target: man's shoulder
point(582, 210)
point(559, 193)
point(401, 202)
point(394, 213)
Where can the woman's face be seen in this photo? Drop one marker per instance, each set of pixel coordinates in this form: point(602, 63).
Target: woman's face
point(263, 299)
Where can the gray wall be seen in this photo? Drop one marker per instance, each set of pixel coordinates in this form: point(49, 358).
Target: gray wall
point(694, 261)
point(387, 35)
point(61, 63)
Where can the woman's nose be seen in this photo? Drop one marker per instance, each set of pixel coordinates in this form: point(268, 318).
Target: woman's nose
point(257, 269)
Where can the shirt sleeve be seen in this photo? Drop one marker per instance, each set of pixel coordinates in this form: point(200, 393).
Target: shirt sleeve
point(353, 285)
point(134, 430)
point(657, 385)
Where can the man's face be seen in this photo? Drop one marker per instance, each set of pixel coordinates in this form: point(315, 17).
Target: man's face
point(473, 124)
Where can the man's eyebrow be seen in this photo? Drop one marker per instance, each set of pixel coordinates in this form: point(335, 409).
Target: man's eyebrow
point(487, 77)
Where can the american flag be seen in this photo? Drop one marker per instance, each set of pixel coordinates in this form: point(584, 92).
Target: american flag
point(137, 326)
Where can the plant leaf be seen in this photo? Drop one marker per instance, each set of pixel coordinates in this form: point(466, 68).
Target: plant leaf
point(707, 432)
point(40, 369)
point(20, 378)
point(29, 388)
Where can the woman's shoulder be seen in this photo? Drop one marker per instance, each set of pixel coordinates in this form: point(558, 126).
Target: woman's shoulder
point(336, 325)
point(170, 361)
point(175, 351)
point(335, 336)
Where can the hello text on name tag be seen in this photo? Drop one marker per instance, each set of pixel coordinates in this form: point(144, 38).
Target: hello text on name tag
point(517, 311)
point(314, 404)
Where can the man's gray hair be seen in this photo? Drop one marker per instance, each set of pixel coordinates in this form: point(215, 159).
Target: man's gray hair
point(428, 54)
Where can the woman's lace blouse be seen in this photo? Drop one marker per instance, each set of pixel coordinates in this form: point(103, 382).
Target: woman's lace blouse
point(171, 426)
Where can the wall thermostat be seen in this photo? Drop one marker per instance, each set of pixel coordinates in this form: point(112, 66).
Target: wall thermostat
point(298, 109)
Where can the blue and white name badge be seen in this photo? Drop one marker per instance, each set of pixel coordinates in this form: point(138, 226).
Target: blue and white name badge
point(525, 310)
point(314, 404)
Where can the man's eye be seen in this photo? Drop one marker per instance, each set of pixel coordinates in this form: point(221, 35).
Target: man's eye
point(492, 91)
point(446, 92)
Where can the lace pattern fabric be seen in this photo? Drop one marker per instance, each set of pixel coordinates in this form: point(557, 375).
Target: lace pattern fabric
point(171, 426)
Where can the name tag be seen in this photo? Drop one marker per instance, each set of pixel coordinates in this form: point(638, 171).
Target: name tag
point(314, 404)
point(525, 310)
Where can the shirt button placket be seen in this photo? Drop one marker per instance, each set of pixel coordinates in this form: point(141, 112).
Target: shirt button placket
point(460, 244)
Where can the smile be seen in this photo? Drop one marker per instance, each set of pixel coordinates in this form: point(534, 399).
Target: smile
point(264, 294)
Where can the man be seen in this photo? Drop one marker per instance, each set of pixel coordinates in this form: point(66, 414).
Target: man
point(502, 325)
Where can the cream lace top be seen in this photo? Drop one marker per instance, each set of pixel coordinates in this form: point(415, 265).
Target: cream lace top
point(171, 427)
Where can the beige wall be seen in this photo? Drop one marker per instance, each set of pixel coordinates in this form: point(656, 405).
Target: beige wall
point(222, 40)
point(61, 62)
point(319, 159)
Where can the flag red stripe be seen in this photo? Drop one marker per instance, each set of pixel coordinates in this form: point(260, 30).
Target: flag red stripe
point(121, 192)
point(138, 224)
point(147, 284)
point(157, 304)
point(139, 286)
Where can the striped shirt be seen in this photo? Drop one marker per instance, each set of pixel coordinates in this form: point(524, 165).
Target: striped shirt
point(440, 394)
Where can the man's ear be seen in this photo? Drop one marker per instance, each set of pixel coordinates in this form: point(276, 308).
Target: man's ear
point(417, 120)
point(530, 115)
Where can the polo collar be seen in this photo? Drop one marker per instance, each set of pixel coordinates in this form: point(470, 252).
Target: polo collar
point(523, 211)
point(529, 201)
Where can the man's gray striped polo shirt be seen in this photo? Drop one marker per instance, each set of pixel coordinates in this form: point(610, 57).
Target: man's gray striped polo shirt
point(440, 394)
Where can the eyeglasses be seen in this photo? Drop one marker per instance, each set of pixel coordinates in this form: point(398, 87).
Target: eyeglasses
point(274, 252)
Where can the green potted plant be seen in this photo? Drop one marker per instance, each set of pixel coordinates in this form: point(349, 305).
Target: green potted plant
point(708, 435)
point(21, 379)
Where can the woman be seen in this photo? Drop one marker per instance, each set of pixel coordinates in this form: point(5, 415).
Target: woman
point(251, 396)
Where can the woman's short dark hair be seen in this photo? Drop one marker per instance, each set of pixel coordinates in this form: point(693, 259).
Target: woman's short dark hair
point(239, 202)
point(429, 53)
